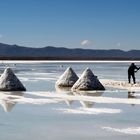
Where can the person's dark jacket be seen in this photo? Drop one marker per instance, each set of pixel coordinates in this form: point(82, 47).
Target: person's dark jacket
point(132, 68)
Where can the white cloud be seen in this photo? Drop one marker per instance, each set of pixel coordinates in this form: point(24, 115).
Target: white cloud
point(85, 42)
point(0, 35)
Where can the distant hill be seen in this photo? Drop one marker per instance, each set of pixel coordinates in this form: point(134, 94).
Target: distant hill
point(61, 53)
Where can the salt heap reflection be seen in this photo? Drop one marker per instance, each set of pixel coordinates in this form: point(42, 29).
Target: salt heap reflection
point(65, 91)
point(87, 100)
point(86, 104)
point(6, 100)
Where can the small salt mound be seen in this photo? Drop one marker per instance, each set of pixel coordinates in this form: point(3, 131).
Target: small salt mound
point(9, 82)
point(88, 81)
point(67, 79)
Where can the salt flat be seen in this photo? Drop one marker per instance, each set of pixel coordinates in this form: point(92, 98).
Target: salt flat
point(121, 85)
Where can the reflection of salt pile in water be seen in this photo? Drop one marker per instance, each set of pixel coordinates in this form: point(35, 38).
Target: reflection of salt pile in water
point(9, 82)
point(7, 105)
point(88, 104)
point(67, 79)
point(7, 101)
point(67, 91)
point(88, 81)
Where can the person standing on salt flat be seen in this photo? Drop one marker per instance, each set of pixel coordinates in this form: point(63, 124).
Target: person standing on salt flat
point(131, 72)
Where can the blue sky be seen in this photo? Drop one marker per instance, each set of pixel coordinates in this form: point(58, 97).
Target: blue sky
point(92, 24)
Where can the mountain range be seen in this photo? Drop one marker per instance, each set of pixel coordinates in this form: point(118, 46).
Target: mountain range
point(60, 53)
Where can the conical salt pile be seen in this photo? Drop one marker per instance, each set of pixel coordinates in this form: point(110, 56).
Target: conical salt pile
point(88, 81)
point(9, 81)
point(67, 79)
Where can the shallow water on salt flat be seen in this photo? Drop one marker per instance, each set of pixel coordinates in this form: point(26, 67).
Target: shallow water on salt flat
point(44, 112)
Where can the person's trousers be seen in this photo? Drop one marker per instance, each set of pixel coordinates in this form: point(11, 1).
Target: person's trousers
point(133, 77)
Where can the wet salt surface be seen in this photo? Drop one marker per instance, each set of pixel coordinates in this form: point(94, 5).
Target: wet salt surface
point(46, 112)
point(130, 130)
